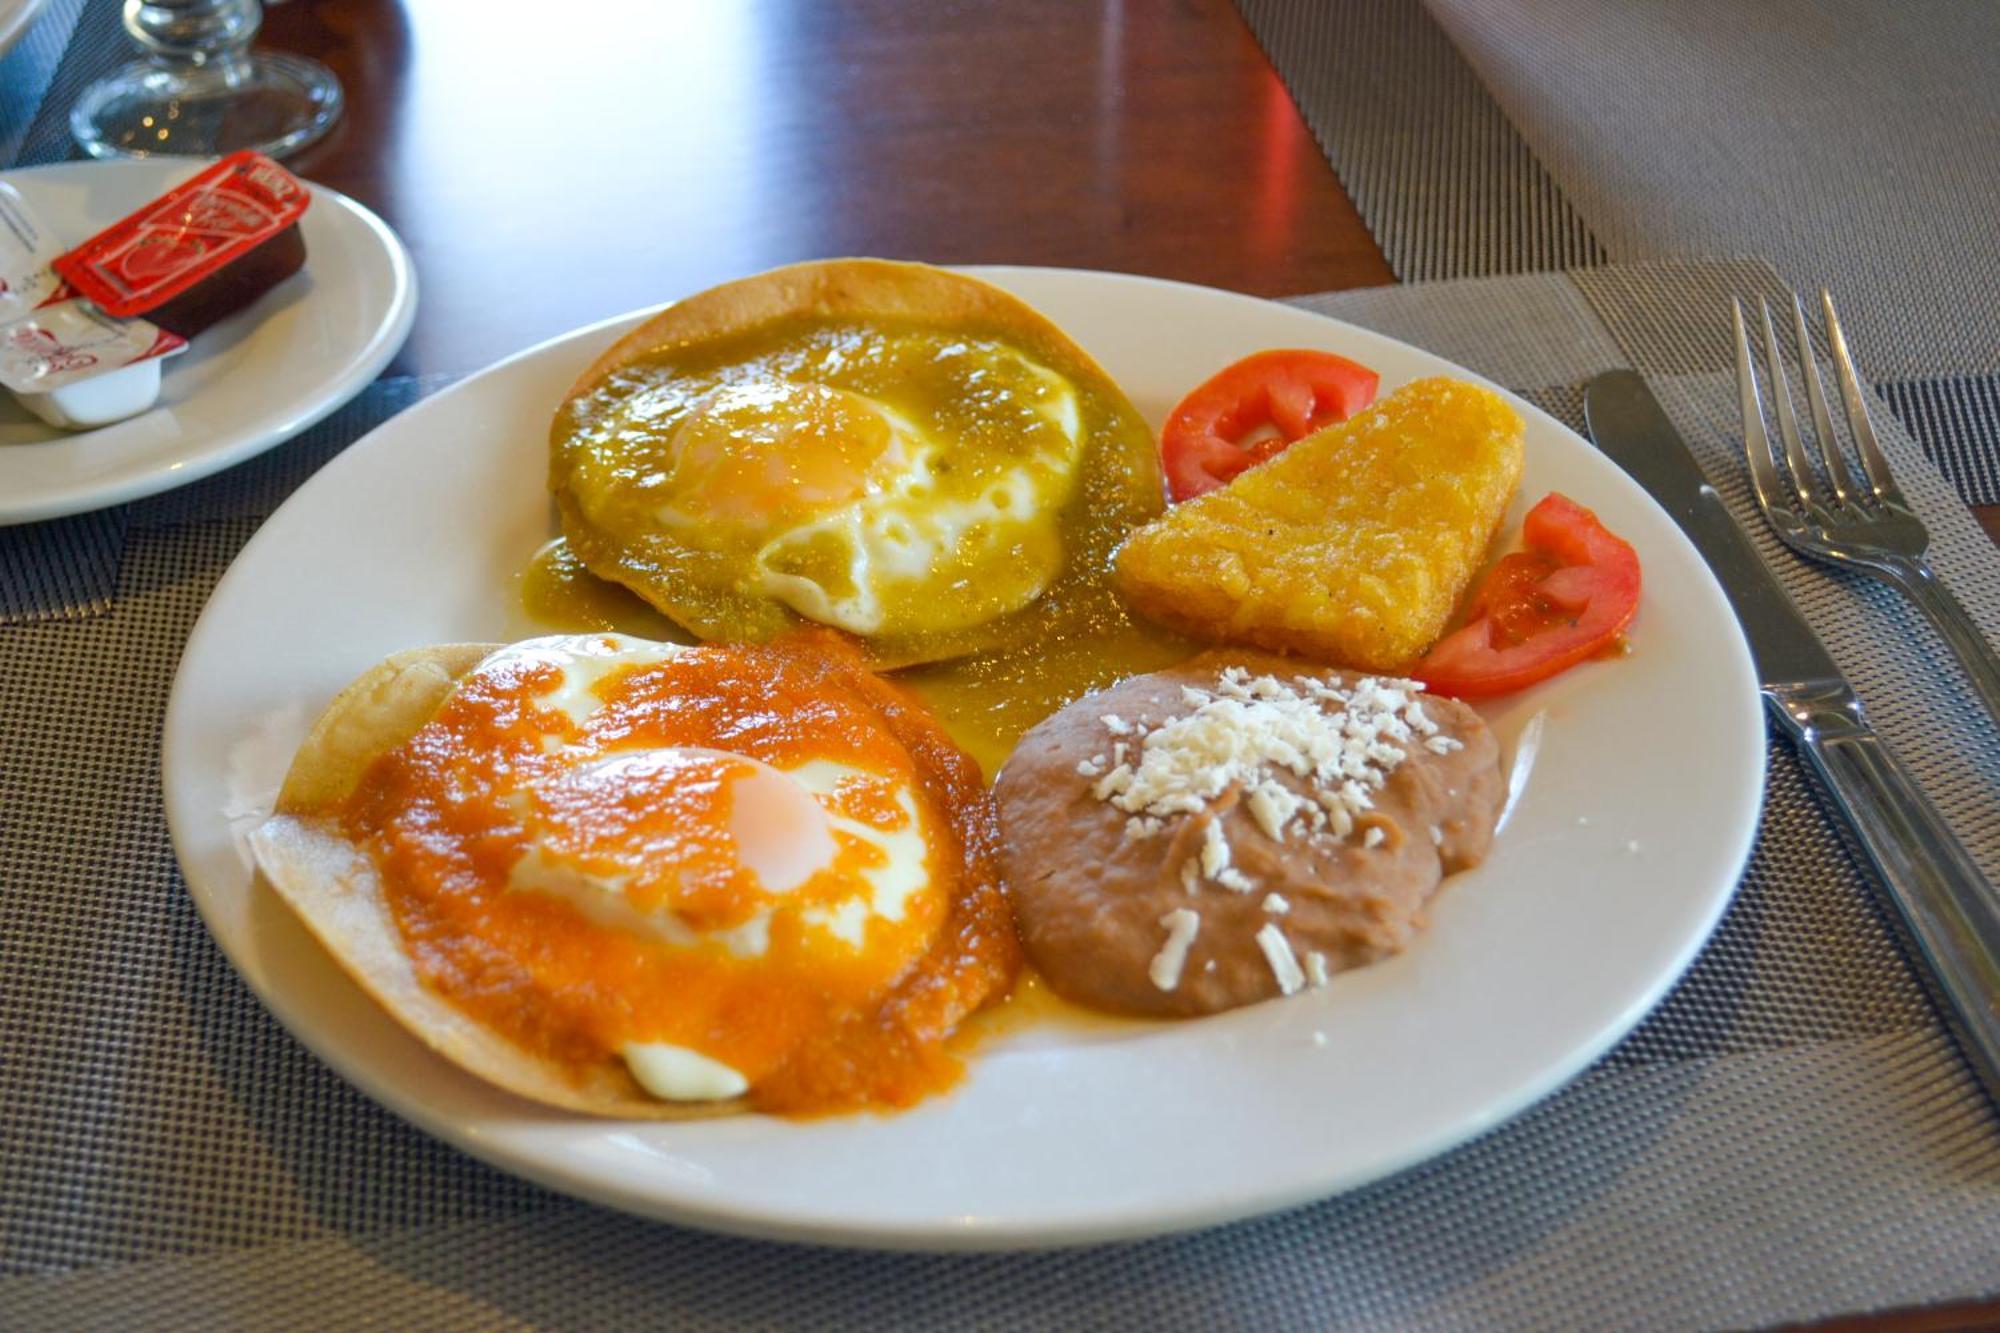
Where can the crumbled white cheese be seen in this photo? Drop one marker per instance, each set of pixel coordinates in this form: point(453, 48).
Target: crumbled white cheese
point(1437, 836)
point(1273, 806)
point(1276, 905)
point(1117, 780)
point(1341, 740)
point(1316, 969)
point(1181, 925)
point(1278, 953)
point(1214, 849)
point(1191, 874)
point(1374, 837)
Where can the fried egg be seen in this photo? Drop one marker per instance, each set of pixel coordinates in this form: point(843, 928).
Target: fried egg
point(689, 874)
point(902, 453)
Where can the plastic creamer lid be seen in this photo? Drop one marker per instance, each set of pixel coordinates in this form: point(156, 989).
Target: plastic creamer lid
point(27, 255)
point(185, 235)
point(48, 339)
point(71, 341)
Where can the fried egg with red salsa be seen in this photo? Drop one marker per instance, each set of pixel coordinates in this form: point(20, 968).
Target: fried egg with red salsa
point(635, 877)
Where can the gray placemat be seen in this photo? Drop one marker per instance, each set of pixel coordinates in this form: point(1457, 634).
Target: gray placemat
point(1444, 182)
point(26, 70)
point(1790, 1135)
point(1854, 144)
point(93, 42)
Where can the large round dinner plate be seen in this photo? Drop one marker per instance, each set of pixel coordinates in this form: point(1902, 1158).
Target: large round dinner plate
point(251, 381)
point(1627, 840)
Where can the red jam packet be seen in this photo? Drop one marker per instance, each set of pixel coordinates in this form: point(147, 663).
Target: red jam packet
point(176, 260)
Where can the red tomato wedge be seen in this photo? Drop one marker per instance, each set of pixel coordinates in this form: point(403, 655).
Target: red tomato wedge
point(1251, 410)
point(1562, 601)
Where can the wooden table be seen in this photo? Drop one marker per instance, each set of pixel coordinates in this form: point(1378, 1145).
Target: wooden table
point(661, 146)
point(612, 155)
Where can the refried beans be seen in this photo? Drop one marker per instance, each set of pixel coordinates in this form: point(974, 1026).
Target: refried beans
point(1129, 901)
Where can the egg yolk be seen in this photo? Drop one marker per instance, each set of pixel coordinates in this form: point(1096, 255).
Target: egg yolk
point(709, 835)
point(751, 459)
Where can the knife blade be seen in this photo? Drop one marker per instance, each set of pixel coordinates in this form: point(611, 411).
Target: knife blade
point(1950, 908)
point(1628, 426)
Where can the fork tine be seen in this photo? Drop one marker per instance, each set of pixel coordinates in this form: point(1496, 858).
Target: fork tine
point(1844, 486)
point(1872, 462)
point(1756, 444)
point(1788, 423)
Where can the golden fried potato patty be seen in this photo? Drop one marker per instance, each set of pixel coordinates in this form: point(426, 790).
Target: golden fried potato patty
point(1351, 547)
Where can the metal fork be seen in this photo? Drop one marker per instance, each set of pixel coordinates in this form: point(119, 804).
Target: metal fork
point(1865, 526)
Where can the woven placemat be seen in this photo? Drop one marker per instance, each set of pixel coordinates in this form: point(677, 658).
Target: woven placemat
point(1790, 1135)
point(1853, 144)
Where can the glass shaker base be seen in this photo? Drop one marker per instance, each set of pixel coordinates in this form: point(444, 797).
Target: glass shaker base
point(276, 104)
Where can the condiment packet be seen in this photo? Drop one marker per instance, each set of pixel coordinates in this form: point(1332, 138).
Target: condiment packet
point(70, 341)
point(27, 256)
point(167, 260)
point(52, 344)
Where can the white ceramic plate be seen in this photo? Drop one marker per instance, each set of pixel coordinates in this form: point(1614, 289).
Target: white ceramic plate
point(1625, 848)
point(258, 377)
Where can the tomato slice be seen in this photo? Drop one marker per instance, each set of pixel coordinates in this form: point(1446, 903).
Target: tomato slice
point(1251, 410)
point(1562, 601)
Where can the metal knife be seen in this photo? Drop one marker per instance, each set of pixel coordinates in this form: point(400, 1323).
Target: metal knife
point(1951, 909)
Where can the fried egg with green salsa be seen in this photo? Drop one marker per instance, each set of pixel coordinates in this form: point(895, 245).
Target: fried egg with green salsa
point(903, 453)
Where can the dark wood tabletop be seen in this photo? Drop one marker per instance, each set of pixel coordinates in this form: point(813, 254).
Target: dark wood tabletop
point(550, 173)
point(546, 175)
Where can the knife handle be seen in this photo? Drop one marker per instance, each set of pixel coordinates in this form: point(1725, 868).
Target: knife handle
point(1951, 909)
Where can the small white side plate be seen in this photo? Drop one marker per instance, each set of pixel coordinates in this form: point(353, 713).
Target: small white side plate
point(258, 377)
point(1620, 856)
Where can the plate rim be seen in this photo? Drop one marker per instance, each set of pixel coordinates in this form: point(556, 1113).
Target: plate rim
point(398, 317)
point(1079, 1228)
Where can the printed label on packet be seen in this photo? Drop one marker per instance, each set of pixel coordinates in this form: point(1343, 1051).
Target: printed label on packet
point(186, 235)
point(27, 255)
point(72, 341)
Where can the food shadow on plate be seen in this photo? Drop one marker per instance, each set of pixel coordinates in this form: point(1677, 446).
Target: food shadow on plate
point(209, 351)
